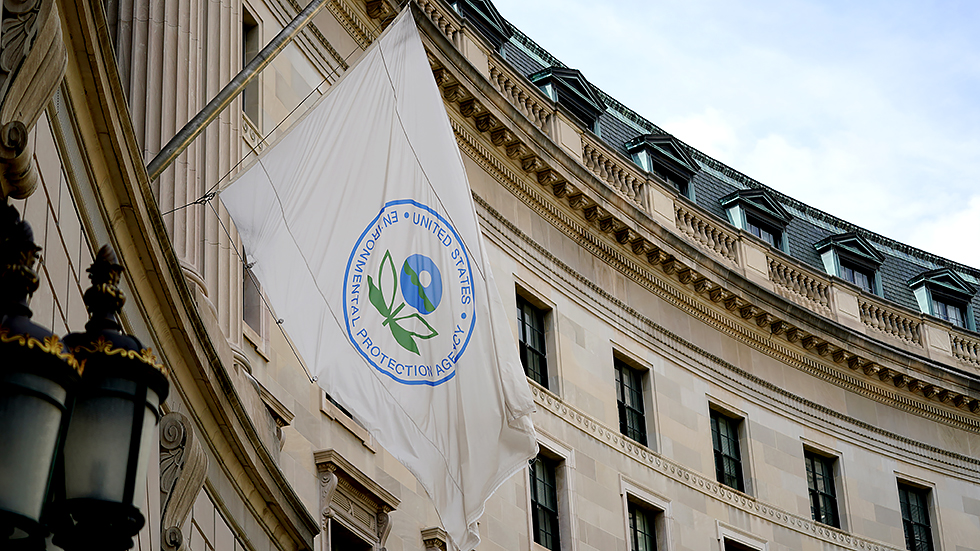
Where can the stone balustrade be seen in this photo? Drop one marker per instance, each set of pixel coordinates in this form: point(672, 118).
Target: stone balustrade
point(443, 21)
point(800, 285)
point(706, 232)
point(965, 348)
point(887, 319)
point(531, 103)
point(803, 285)
point(625, 179)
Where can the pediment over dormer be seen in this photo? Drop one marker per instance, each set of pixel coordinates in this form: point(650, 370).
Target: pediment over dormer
point(853, 245)
point(662, 154)
point(486, 19)
point(569, 89)
point(946, 281)
point(760, 202)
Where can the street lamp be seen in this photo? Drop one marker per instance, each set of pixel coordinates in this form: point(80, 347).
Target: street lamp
point(111, 429)
point(37, 377)
point(84, 409)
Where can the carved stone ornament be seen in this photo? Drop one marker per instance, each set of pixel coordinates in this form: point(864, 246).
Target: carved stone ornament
point(350, 497)
point(434, 539)
point(32, 62)
point(183, 467)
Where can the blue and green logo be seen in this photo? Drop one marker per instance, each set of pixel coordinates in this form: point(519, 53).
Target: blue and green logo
point(419, 311)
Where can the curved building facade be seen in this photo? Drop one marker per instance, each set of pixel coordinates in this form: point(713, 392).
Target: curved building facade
point(716, 366)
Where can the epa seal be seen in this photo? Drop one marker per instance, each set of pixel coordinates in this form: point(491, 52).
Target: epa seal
point(408, 294)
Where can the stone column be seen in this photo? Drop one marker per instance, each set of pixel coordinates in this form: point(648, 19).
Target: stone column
point(173, 57)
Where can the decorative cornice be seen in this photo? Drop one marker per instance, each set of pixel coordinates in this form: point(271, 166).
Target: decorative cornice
point(813, 357)
point(332, 461)
point(813, 295)
point(348, 18)
point(714, 367)
point(739, 178)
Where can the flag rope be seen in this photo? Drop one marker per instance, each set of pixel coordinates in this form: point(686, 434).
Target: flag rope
point(265, 301)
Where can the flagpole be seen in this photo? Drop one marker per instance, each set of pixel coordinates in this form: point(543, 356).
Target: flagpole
point(195, 126)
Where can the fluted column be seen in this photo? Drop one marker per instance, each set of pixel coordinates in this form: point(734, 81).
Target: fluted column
point(174, 56)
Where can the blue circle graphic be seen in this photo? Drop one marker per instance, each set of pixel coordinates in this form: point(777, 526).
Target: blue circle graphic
point(424, 298)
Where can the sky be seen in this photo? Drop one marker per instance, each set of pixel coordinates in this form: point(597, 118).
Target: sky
point(867, 110)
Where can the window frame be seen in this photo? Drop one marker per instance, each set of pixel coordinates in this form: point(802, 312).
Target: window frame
point(926, 495)
point(659, 506)
point(540, 315)
point(850, 251)
point(548, 466)
point(946, 302)
point(563, 458)
point(358, 488)
point(251, 44)
point(945, 286)
point(258, 336)
point(747, 208)
point(829, 463)
point(631, 378)
point(729, 533)
point(716, 414)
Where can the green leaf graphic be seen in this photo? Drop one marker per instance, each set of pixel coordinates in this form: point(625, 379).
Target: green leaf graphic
point(404, 338)
point(386, 261)
point(418, 285)
point(376, 294)
point(377, 298)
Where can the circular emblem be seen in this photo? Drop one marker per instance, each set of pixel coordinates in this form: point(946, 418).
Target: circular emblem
point(408, 294)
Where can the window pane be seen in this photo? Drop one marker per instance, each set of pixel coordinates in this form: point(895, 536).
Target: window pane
point(915, 518)
point(820, 480)
point(948, 312)
point(530, 323)
point(642, 528)
point(728, 461)
point(629, 395)
point(544, 503)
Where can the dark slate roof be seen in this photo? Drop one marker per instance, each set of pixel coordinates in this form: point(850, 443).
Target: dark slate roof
point(619, 124)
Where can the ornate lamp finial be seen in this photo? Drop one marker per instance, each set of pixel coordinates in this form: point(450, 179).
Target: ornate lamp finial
point(104, 299)
point(18, 254)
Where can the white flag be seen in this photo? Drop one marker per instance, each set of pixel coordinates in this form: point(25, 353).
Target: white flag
point(364, 236)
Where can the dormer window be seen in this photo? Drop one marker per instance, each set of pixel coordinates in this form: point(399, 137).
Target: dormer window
point(766, 232)
point(486, 19)
point(944, 293)
point(662, 155)
point(569, 89)
point(756, 212)
point(853, 259)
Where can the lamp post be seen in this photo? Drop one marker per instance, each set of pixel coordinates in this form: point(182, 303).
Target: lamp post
point(84, 409)
point(112, 426)
point(37, 377)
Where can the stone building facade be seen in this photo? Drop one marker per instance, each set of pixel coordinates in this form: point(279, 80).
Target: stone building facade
point(716, 365)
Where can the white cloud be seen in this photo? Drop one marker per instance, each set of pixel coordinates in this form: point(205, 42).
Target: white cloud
point(864, 110)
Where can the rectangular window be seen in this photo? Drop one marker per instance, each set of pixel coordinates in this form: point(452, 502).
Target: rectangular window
point(763, 231)
point(251, 300)
point(949, 312)
point(250, 47)
point(643, 533)
point(728, 459)
point(732, 545)
point(858, 277)
point(820, 481)
point(629, 395)
point(530, 331)
point(544, 502)
point(915, 517)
